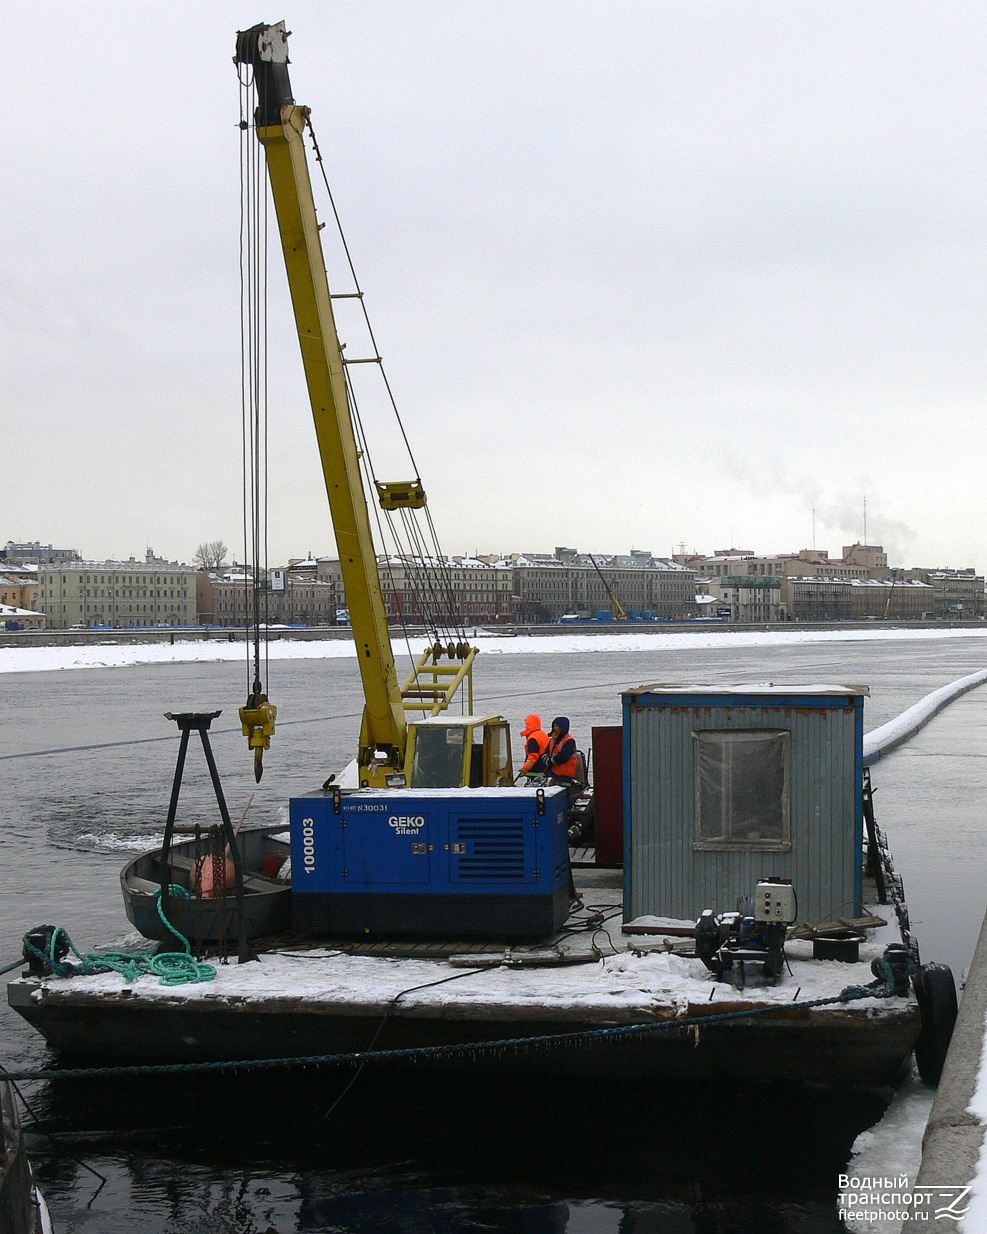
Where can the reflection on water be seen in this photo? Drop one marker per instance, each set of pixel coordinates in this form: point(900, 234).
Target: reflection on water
point(402, 1153)
point(392, 1154)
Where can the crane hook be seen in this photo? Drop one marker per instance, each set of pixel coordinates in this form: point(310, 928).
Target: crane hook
point(258, 716)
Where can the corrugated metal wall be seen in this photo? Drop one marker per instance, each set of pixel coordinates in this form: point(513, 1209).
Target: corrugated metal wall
point(668, 876)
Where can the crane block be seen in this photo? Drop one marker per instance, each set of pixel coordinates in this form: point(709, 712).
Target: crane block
point(400, 494)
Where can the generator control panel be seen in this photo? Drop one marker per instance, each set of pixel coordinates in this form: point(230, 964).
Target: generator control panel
point(775, 900)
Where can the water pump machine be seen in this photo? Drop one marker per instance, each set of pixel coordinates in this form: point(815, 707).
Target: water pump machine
point(728, 942)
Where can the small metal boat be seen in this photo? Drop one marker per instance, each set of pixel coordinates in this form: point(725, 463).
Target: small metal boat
point(22, 1206)
point(207, 913)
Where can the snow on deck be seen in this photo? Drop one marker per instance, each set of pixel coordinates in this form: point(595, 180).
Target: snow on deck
point(641, 980)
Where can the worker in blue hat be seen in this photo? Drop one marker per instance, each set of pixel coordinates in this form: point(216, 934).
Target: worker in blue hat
point(561, 758)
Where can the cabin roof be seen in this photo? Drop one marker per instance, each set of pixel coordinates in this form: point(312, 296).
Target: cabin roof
point(758, 688)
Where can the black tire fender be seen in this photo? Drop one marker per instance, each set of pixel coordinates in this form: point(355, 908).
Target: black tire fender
point(935, 991)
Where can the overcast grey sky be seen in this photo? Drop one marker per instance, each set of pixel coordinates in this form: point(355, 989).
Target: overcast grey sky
point(642, 273)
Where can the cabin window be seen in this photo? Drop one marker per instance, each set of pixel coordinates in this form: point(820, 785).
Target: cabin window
point(439, 756)
point(742, 790)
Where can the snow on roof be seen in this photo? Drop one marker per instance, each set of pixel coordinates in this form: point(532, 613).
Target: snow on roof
point(539, 560)
point(886, 583)
point(896, 584)
point(8, 611)
point(754, 687)
point(410, 562)
point(625, 561)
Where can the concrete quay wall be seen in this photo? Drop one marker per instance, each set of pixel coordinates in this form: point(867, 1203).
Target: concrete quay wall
point(954, 1135)
point(69, 638)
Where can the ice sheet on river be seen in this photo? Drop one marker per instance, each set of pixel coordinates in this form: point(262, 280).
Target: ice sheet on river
point(28, 659)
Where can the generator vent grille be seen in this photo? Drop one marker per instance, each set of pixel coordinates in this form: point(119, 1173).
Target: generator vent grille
point(494, 849)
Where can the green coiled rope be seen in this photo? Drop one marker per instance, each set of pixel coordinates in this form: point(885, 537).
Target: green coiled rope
point(171, 967)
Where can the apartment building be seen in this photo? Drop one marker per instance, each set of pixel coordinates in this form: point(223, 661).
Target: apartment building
point(858, 561)
point(462, 589)
point(291, 597)
point(959, 594)
point(543, 587)
point(734, 563)
point(19, 586)
point(530, 588)
point(748, 598)
point(117, 594)
point(857, 599)
point(36, 553)
point(569, 582)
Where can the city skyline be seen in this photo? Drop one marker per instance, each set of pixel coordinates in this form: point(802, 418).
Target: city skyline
point(232, 560)
point(62, 591)
point(641, 274)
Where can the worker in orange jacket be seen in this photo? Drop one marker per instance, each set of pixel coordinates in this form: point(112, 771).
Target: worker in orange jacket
point(535, 745)
point(561, 760)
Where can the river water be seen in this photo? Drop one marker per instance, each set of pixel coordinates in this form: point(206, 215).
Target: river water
point(404, 1154)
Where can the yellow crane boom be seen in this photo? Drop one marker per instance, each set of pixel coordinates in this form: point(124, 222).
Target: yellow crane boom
point(280, 128)
point(433, 752)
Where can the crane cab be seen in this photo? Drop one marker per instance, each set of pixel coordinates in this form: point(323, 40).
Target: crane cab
point(459, 752)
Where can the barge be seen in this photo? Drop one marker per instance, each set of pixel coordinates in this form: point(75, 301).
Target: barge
point(630, 983)
point(573, 1005)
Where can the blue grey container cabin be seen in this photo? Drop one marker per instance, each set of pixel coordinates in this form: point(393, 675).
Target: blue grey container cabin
point(724, 786)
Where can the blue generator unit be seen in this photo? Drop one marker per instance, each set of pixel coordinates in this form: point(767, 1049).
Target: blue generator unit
point(456, 863)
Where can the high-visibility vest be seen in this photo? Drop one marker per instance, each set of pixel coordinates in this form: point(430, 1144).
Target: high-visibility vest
point(571, 764)
point(534, 748)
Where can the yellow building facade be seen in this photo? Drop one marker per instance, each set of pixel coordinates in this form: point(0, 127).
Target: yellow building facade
point(119, 595)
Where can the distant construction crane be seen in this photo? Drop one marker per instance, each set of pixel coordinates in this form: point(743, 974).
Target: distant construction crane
point(621, 611)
